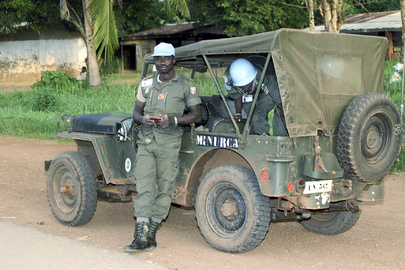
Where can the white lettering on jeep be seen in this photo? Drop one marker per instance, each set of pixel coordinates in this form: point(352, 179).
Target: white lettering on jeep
point(217, 141)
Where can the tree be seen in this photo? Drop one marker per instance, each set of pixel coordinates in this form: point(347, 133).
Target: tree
point(369, 6)
point(98, 28)
point(403, 20)
point(250, 16)
point(32, 14)
point(310, 8)
point(136, 16)
point(333, 14)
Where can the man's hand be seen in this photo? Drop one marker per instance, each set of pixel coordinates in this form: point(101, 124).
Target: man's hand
point(148, 120)
point(164, 121)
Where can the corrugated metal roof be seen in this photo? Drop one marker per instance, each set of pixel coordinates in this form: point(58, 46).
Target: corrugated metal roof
point(364, 17)
point(370, 22)
point(179, 30)
point(167, 29)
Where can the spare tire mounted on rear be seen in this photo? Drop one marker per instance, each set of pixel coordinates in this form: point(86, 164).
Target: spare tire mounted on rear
point(369, 137)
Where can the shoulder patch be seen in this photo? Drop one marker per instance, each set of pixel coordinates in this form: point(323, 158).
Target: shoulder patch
point(193, 90)
point(265, 89)
point(147, 82)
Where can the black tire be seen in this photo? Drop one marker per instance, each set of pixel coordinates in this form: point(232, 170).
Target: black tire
point(77, 205)
point(369, 137)
point(232, 214)
point(331, 223)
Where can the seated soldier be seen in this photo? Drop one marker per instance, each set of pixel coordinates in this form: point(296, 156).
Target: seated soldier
point(241, 80)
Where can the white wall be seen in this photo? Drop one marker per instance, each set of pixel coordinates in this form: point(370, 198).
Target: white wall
point(20, 58)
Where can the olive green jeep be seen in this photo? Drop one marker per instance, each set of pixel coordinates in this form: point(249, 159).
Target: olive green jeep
point(344, 136)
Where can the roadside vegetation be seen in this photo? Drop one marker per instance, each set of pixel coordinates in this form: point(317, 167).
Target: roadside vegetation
point(33, 114)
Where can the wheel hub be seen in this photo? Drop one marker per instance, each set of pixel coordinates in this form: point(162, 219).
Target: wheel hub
point(67, 190)
point(229, 209)
point(372, 138)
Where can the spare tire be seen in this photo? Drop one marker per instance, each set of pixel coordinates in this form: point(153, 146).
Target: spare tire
point(368, 139)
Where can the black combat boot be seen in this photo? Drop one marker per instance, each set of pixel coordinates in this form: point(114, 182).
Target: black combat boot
point(153, 227)
point(141, 241)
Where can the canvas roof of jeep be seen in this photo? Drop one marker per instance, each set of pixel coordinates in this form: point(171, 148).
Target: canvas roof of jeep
point(318, 73)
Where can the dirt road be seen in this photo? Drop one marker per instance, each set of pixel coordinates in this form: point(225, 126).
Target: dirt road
point(377, 241)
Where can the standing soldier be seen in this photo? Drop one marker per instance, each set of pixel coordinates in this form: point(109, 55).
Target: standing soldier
point(159, 108)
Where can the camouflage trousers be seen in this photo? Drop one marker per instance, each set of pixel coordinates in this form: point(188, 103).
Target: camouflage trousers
point(156, 170)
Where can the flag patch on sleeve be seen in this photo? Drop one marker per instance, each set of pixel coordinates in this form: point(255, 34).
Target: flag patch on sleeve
point(147, 82)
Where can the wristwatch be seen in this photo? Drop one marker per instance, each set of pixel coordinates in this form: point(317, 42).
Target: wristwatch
point(175, 121)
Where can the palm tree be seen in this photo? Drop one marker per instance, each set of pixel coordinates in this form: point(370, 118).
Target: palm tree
point(97, 26)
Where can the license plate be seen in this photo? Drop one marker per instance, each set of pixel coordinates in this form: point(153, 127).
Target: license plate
point(318, 186)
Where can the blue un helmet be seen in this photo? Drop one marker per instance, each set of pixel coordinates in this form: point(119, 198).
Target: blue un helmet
point(242, 72)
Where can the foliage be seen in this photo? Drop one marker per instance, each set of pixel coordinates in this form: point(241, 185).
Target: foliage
point(112, 67)
point(32, 14)
point(136, 16)
point(44, 96)
point(394, 91)
point(33, 114)
point(44, 99)
point(251, 16)
point(370, 6)
point(105, 32)
point(53, 79)
point(178, 5)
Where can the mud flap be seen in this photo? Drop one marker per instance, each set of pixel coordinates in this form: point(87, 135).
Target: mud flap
point(372, 193)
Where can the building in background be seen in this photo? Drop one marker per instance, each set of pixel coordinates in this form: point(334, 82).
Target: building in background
point(135, 47)
point(385, 24)
point(28, 53)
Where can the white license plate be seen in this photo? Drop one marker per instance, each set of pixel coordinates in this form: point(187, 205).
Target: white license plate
point(318, 186)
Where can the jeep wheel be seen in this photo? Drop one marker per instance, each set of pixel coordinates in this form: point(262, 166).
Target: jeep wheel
point(331, 223)
point(72, 189)
point(369, 137)
point(232, 214)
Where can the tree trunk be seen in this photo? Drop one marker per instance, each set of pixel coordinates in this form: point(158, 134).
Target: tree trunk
point(333, 15)
point(403, 20)
point(92, 63)
point(310, 8)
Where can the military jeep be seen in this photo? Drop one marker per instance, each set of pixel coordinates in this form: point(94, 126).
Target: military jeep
point(344, 136)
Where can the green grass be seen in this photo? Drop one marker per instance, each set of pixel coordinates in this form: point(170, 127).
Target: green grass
point(34, 114)
point(394, 91)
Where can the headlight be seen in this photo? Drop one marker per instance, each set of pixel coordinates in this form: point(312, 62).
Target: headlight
point(70, 121)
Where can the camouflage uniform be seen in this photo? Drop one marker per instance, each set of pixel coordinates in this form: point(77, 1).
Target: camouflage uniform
point(269, 97)
point(158, 148)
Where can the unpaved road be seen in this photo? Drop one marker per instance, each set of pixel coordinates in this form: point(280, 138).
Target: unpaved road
point(377, 241)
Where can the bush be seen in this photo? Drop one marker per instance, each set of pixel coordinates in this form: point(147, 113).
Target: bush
point(44, 99)
point(112, 67)
point(53, 79)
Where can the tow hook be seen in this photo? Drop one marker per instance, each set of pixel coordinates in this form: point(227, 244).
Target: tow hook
point(352, 206)
point(303, 215)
